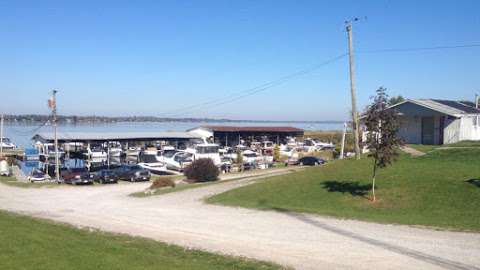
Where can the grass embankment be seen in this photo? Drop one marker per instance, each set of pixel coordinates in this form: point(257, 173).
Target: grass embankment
point(29, 243)
point(11, 181)
point(463, 144)
point(430, 190)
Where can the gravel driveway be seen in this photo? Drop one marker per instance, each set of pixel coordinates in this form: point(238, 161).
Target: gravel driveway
point(297, 240)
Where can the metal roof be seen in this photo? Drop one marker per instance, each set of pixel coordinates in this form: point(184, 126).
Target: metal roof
point(448, 107)
point(252, 129)
point(113, 136)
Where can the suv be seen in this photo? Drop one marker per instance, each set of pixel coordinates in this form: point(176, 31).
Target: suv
point(133, 173)
point(77, 176)
point(105, 176)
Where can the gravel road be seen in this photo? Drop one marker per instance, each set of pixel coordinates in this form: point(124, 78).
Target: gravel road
point(297, 240)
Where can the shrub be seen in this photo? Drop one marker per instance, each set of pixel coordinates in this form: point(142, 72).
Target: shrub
point(276, 153)
point(162, 182)
point(202, 170)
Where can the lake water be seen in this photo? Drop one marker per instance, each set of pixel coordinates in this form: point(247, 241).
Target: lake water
point(22, 135)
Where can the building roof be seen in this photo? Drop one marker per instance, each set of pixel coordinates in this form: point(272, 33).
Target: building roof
point(113, 136)
point(252, 129)
point(448, 107)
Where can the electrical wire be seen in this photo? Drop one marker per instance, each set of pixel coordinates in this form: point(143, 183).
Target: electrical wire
point(419, 49)
point(252, 91)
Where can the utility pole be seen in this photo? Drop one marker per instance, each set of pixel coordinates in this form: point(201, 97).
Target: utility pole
point(53, 105)
point(1, 136)
point(342, 150)
point(352, 88)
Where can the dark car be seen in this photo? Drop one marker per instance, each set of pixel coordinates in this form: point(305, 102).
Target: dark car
point(77, 176)
point(105, 176)
point(307, 161)
point(132, 173)
point(310, 161)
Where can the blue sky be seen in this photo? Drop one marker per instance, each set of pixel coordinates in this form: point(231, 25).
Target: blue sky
point(156, 57)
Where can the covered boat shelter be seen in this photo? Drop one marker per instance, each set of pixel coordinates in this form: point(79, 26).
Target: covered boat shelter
point(233, 135)
point(122, 137)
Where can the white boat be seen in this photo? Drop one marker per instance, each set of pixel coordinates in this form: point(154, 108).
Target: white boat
point(47, 150)
point(205, 150)
point(7, 144)
point(96, 153)
point(133, 151)
point(114, 149)
point(4, 168)
point(153, 164)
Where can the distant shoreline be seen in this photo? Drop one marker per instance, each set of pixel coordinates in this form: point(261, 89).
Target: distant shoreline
point(80, 120)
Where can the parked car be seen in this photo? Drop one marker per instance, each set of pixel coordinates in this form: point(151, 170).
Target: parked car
point(77, 176)
point(105, 176)
point(309, 161)
point(132, 173)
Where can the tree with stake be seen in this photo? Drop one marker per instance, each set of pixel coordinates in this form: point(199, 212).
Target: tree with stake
point(382, 126)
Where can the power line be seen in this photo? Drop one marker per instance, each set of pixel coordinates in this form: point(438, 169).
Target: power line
point(263, 87)
point(419, 48)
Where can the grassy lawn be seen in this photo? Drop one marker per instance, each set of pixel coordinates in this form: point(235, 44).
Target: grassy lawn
point(430, 190)
point(28, 243)
point(427, 148)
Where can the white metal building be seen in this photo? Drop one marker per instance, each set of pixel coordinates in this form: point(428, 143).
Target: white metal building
point(432, 121)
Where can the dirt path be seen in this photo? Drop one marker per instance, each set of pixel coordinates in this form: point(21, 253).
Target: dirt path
point(301, 241)
point(412, 151)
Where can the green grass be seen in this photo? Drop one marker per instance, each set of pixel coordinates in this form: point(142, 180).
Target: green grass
point(430, 190)
point(29, 243)
point(427, 148)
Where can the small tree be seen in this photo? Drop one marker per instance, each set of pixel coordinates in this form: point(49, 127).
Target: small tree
point(382, 126)
point(395, 100)
point(239, 159)
point(202, 170)
point(276, 153)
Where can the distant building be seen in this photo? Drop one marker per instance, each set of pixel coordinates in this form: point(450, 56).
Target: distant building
point(433, 121)
point(233, 135)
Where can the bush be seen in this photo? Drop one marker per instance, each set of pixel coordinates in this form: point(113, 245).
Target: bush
point(162, 182)
point(202, 170)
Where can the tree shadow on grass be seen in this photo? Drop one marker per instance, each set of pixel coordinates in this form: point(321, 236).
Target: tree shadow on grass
point(354, 188)
point(475, 182)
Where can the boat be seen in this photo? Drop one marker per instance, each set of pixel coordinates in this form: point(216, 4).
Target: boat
point(114, 149)
point(7, 144)
point(96, 152)
point(38, 175)
point(47, 151)
point(4, 168)
point(133, 151)
point(153, 164)
point(205, 150)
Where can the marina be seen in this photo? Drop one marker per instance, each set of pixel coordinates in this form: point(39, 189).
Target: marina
point(152, 147)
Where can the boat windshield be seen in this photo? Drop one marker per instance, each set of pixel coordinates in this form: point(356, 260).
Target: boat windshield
point(6, 140)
